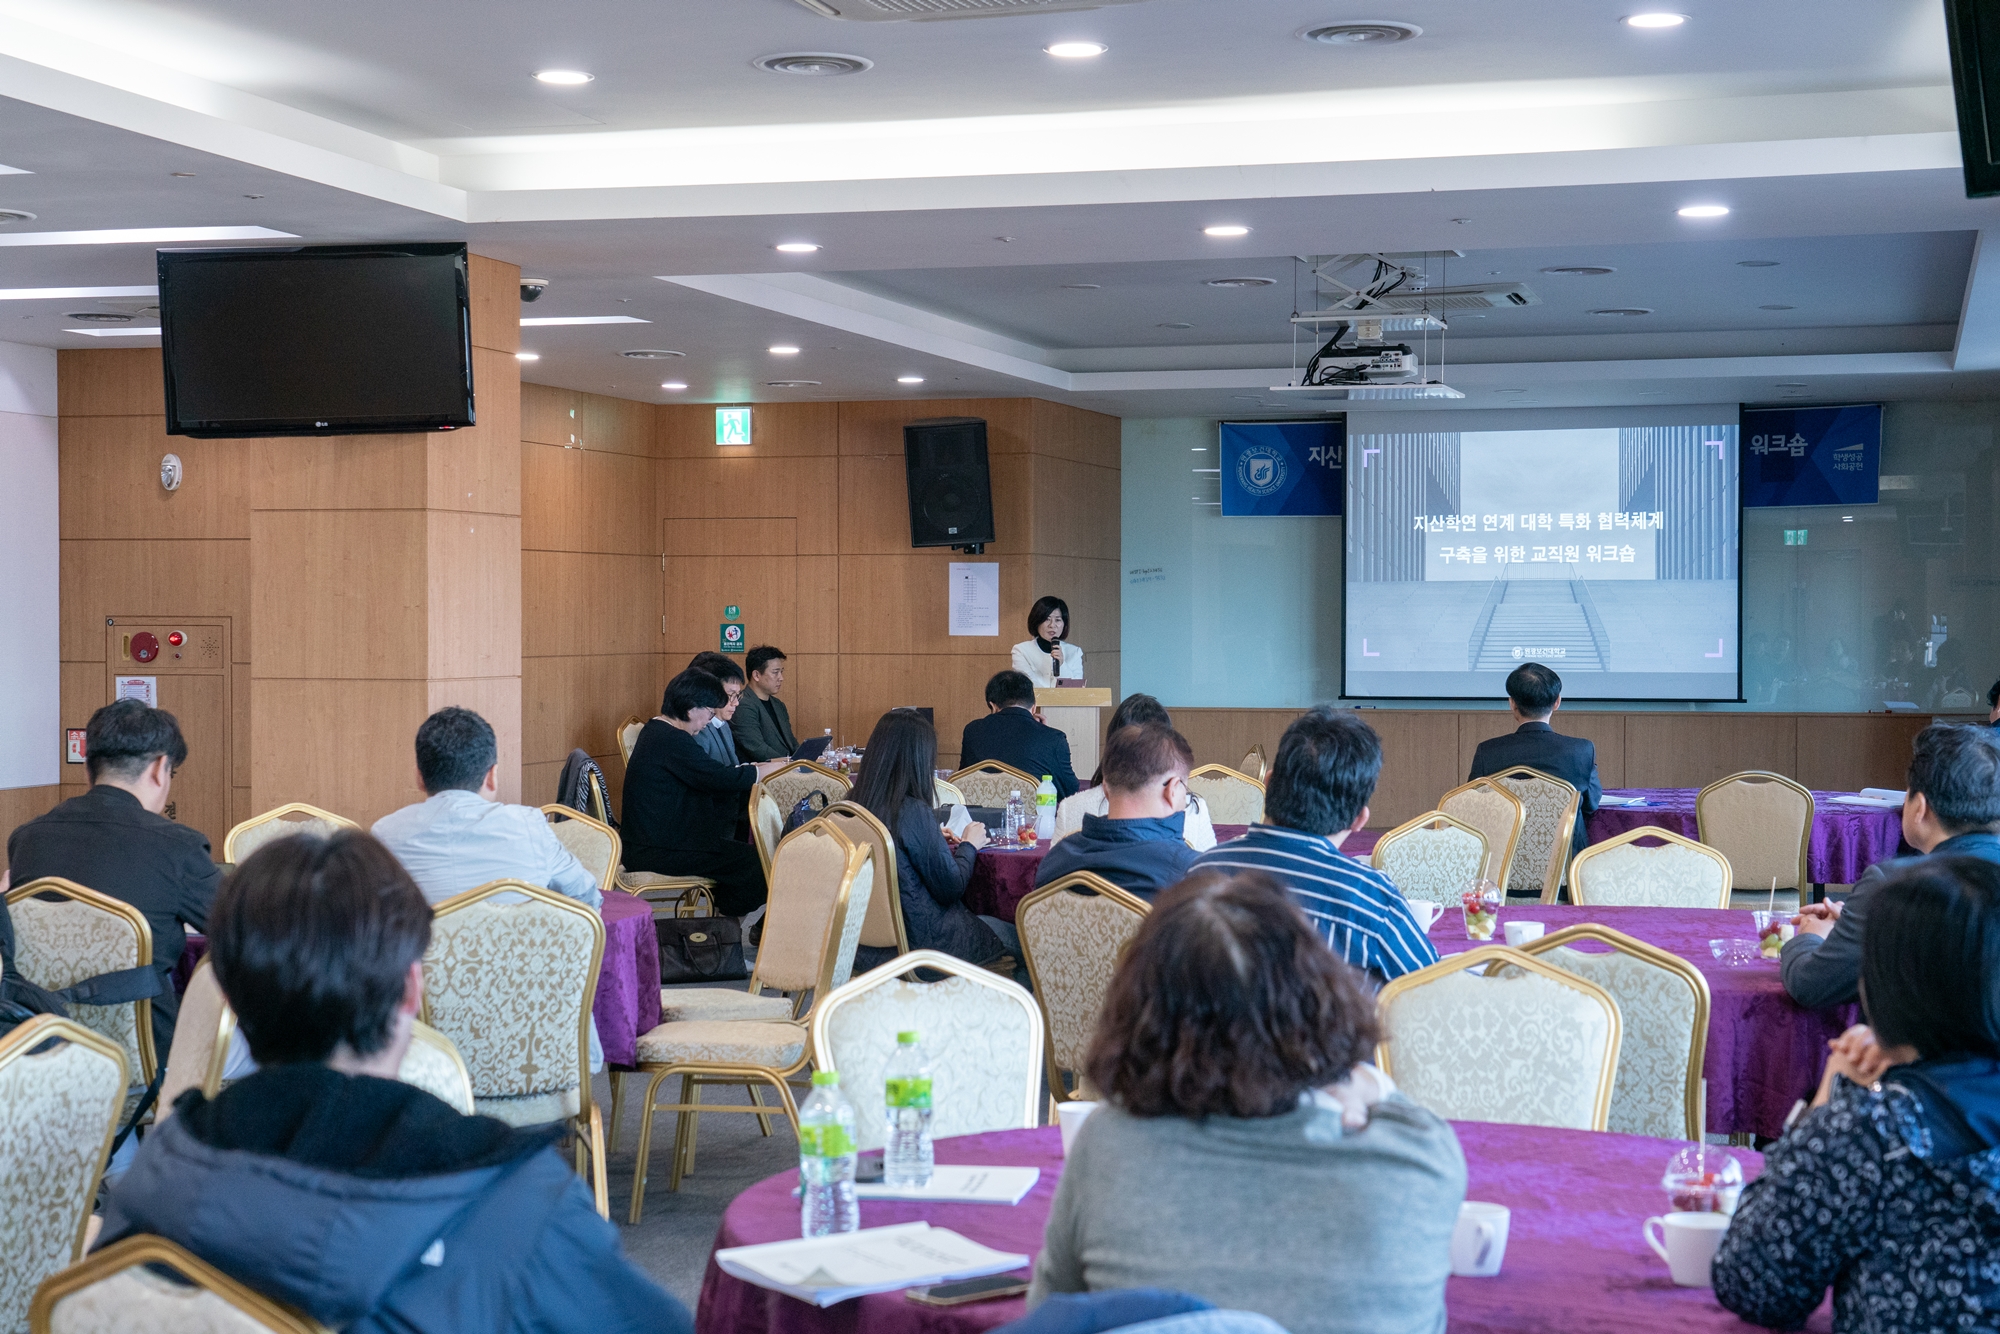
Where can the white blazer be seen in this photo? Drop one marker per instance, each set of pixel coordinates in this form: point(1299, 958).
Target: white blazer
point(1198, 831)
point(1031, 662)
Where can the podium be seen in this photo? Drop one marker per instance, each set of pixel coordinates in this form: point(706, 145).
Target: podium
point(1078, 713)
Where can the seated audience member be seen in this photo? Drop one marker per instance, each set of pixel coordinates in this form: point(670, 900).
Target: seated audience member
point(1243, 1152)
point(897, 783)
point(115, 839)
point(1534, 693)
point(1952, 810)
point(462, 835)
point(717, 739)
point(1093, 800)
point(1993, 705)
point(323, 1181)
point(1136, 1311)
point(1141, 845)
point(1012, 732)
point(1886, 1190)
point(762, 725)
point(1315, 796)
point(681, 807)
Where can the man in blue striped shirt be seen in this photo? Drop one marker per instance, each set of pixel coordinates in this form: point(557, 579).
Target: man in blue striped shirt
point(1315, 796)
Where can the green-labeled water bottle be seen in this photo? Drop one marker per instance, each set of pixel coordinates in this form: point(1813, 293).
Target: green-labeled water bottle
point(827, 1204)
point(906, 1101)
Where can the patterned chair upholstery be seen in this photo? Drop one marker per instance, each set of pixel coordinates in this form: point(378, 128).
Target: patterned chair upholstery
point(990, 783)
point(117, 1291)
point(1254, 764)
point(591, 842)
point(1535, 1047)
point(1663, 1006)
point(670, 895)
point(767, 824)
point(1232, 798)
point(294, 817)
point(1433, 858)
point(1073, 931)
point(821, 884)
point(511, 985)
point(1762, 822)
point(947, 794)
point(1542, 853)
point(628, 735)
point(982, 1033)
point(884, 927)
point(433, 1064)
point(1494, 812)
point(58, 1111)
point(801, 777)
point(202, 1032)
point(1680, 873)
point(58, 943)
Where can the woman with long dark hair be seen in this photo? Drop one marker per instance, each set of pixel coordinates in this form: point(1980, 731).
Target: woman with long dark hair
point(897, 783)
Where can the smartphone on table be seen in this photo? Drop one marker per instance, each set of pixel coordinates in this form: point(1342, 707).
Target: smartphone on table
point(987, 1289)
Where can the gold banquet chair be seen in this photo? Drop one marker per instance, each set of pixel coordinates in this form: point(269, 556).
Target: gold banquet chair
point(772, 799)
point(62, 1093)
point(946, 794)
point(202, 1032)
point(884, 927)
point(433, 1064)
point(982, 1033)
point(1494, 812)
point(990, 783)
point(1232, 798)
point(1680, 873)
point(1254, 765)
point(1073, 932)
point(591, 841)
point(821, 883)
point(119, 1290)
point(60, 942)
point(628, 736)
point(1663, 1007)
point(1762, 822)
point(511, 985)
point(1535, 1046)
point(294, 817)
point(1542, 853)
point(1433, 857)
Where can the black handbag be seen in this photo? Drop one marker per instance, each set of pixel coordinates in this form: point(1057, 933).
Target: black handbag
point(701, 949)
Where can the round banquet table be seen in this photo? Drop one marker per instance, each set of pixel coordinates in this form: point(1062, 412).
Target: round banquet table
point(1764, 1051)
point(1002, 877)
point(628, 981)
point(1846, 840)
point(1575, 1261)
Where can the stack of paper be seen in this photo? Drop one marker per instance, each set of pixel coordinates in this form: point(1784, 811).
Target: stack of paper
point(1608, 800)
point(1874, 798)
point(825, 1270)
point(961, 1185)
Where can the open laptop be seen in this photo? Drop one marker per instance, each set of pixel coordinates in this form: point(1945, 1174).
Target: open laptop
point(812, 748)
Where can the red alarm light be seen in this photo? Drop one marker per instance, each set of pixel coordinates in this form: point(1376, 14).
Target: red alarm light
point(177, 639)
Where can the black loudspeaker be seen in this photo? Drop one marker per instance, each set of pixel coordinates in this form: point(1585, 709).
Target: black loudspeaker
point(951, 491)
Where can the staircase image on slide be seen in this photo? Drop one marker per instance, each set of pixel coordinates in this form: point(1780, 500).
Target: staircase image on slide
point(1539, 620)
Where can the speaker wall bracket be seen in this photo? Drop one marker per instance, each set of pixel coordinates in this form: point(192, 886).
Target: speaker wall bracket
point(972, 549)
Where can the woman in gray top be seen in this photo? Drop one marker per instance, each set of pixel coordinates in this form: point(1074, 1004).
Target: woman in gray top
point(1244, 1152)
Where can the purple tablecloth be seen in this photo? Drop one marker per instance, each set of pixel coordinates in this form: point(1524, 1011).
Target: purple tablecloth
point(628, 982)
point(1001, 878)
point(1846, 840)
point(1764, 1051)
point(1575, 1261)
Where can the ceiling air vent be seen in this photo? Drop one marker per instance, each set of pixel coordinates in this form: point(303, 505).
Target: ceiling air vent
point(1362, 32)
point(651, 353)
point(898, 11)
point(813, 64)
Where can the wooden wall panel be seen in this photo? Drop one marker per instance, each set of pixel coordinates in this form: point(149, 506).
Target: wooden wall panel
point(496, 306)
point(805, 489)
point(110, 382)
point(473, 595)
point(900, 604)
point(341, 593)
point(953, 688)
point(1694, 749)
point(1075, 509)
point(478, 468)
point(110, 482)
point(578, 702)
point(698, 588)
point(777, 430)
point(1419, 763)
point(876, 427)
point(349, 472)
point(497, 699)
point(1061, 431)
point(1846, 752)
point(587, 500)
point(346, 746)
point(575, 604)
point(147, 578)
point(812, 697)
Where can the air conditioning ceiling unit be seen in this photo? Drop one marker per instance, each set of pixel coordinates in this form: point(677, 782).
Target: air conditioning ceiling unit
point(898, 11)
point(1489, 296)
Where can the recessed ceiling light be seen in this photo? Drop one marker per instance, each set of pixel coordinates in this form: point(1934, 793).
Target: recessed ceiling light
point(782, 350)
point(1756, 263)
point(1081, 287)
point(116, 333)
point(651, 353)
point(1623, 310)
point(1581, 270)
point(1076, 50)
point(909, 379)
point(795, 247)
point(1777, 307)
point(1704, 211)
point(675, 385)
point(527, 356)
point(1225, 229)
point(145, 236)
point(1361, 33)
point(1654, 20)
point(813, 64)
point(566, 78)
point(1240, 282)
point(546, 321)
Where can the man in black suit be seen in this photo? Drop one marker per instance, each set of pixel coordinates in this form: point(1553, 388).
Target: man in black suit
point(1012, 733)
point(1534, 693)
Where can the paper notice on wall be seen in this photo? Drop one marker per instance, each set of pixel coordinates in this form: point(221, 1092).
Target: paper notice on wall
point(145, 689)
point(975, 597)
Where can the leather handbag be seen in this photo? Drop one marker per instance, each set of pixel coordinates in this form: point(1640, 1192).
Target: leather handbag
point(701, 949)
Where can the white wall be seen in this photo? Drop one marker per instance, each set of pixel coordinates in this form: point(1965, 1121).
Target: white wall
point(30, 652)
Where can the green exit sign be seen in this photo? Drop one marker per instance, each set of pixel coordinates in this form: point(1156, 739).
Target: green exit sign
point(1795, 537)
point(732, 426)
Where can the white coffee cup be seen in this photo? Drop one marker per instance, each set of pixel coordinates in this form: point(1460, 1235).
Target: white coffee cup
point(1070, 1116)
point(1425, 912)
point(1688, 1243)
point(1479, 1241)
point(1520, 933)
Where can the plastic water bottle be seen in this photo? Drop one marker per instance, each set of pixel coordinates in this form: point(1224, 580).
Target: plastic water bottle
point(1016, 815)
point(906, 1101)
point(1045, 808)
point(826, 1161)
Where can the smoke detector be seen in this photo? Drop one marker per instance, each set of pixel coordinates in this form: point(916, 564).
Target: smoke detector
point(901, 11)
point(813, 64)
point(651, 353)
point(1362, 32)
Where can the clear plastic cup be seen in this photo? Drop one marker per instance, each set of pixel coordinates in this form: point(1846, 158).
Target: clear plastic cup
point(1703, 1179)
point(1480, 903)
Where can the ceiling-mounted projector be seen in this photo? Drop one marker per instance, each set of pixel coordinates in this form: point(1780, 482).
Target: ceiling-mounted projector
point(902, 11)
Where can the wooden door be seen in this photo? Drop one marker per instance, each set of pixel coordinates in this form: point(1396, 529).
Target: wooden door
point(191, 681)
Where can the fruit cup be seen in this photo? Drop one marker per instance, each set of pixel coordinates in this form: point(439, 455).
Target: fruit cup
point(1773, 930)
point(1481, 905)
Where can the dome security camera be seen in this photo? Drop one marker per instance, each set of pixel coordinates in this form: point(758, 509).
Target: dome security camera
point(532, 289)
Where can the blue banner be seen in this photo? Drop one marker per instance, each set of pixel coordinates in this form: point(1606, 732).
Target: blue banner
point(1811, 456)
point(1282, 468)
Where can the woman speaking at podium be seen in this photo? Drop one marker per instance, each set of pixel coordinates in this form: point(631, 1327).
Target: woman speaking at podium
point(1045, 659)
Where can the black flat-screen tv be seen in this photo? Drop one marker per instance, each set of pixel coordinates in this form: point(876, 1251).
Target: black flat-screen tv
point(316, 340)
point(1973, 28)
